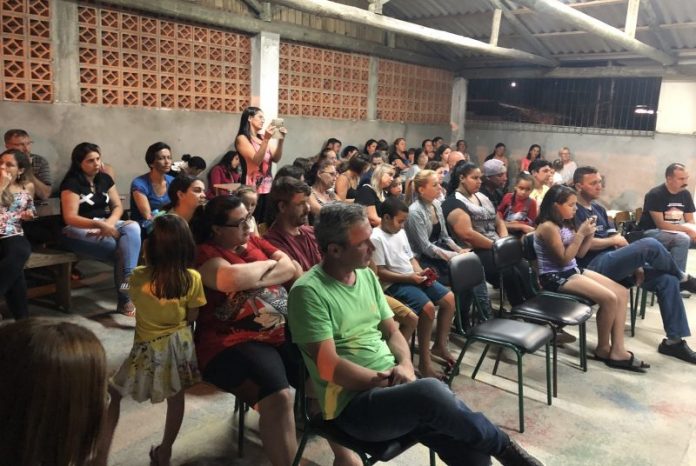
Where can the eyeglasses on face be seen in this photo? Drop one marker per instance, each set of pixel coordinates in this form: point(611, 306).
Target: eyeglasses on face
point(240, 223)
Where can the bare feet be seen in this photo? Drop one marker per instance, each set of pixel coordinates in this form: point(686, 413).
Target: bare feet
point(426, 370)
point(443, 353)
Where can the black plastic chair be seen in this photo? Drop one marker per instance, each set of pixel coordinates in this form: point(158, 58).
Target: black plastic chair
point(369, 452)
point(466, 272)
point(556, 310)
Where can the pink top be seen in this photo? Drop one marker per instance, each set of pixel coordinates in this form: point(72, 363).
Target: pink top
point(261, 177)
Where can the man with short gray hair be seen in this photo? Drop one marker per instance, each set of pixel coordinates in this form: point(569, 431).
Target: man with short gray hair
point(40, 170)
point(360, 363)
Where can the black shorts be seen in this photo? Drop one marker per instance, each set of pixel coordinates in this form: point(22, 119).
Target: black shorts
point(254, 370)
point(552, 281)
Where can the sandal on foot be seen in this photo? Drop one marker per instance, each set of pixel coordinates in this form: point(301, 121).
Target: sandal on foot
point(127, 309)
point(599, 358)
point(631, 364)
point(154, 459)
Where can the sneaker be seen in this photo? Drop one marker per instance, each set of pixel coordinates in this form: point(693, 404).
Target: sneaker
point(679, 350)
point(685, 294)
point(688, 285)
point(515, 455)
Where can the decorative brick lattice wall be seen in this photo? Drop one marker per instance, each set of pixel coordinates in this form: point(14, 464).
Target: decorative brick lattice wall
point(322, 83)
point(139, 61)
point(412, 93)
point(26, 51)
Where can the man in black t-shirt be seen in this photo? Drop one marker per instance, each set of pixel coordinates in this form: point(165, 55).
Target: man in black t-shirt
point(668, 214)
point(612, 256)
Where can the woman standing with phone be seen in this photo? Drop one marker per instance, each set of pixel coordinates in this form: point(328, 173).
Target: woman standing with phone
point(259, 149)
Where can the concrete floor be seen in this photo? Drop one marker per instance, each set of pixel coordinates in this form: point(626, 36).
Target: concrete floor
point(602, 417)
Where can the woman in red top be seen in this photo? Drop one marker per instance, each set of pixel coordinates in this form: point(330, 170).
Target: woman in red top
point(259, 152)
point(240, 332)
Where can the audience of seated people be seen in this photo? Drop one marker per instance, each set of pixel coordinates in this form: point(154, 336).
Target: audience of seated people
point(246, 278)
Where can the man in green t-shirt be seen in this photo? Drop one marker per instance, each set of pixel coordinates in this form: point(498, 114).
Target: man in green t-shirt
point(360, 363)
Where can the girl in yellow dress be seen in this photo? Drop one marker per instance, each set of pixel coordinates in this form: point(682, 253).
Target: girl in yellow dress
point(162, 362)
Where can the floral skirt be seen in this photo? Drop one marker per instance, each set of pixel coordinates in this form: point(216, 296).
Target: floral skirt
point(157, 369)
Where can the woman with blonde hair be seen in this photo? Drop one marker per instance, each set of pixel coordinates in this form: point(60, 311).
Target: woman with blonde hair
point(426, 228)
point(372, 195)
point(52, 393)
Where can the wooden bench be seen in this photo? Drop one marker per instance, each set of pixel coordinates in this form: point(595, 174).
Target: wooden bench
point(61, 264)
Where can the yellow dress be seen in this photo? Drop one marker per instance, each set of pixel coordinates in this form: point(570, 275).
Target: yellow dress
point(163, 360)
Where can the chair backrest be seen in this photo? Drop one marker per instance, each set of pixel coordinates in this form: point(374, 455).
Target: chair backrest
point(528, 247)
point(638, 214)
point(466, 272)
point(507, 252)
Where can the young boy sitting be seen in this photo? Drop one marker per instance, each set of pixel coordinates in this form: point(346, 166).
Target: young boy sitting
point(402, 278)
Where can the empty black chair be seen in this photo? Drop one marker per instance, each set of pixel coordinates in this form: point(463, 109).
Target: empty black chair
point(369, 452)
point(520, 337)
point(553, 309)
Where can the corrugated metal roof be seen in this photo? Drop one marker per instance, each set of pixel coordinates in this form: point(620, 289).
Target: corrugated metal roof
point(676, 24)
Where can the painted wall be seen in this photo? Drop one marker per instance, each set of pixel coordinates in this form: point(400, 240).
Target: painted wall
point(124, 133)
point(676, 112)
point(631, 165)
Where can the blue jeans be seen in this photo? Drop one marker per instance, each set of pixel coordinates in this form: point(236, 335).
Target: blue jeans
point(677, 244)
point(122, 252)
point(14, 254)
point(434, 416)
point(662, 275)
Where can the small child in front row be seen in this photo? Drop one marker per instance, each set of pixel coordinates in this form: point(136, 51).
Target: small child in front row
point(249, 198)
point(402, 278)
point(162, 362)
point(517, 209)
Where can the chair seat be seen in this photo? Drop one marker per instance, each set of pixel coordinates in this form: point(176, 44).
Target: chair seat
point(380, 451)
point(552, 309)
point(579, 299)
point(529, 337)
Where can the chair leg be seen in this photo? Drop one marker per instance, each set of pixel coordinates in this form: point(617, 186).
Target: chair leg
point(497, 360)
point(643, 302)
point(301, 447)
point(634, 309)
point(652, 303)
point(455, 371)
point(555, 363)
point(480, 361)
point(520, 389)
point(433, 461)
point(548, 375)
point(583, 346)
point(240, 431)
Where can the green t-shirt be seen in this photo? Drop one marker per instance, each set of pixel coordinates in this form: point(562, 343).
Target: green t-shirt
point(322, 308)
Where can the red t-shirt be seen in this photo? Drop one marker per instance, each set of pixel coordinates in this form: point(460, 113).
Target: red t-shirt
point(303, 247)
point(523, 210)
point(250, 315)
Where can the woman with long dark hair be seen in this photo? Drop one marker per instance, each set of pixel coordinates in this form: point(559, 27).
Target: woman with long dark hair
point(557, 242)
point(472, 220)
point(230, 169)
point(259, 150)
point(92, 211)
point(533, 153)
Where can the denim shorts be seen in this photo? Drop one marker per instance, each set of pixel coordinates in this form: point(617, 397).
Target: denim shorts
point(552, 281)
point(417, 296)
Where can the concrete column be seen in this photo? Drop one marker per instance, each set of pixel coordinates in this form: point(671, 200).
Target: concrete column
point(66, 51)
point(372, 86)
point(265, 62)
point(458, 110)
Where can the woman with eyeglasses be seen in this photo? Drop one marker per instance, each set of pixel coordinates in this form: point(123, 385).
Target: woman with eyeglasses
point(240, 333)
point(322, 179)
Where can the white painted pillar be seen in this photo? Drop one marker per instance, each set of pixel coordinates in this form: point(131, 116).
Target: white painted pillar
point(372, 88)
point(265, 63)
point(458, 109)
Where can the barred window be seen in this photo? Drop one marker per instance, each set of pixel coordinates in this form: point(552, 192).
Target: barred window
point(628, 105)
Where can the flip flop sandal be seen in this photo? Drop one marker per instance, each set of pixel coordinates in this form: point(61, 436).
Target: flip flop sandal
point(632, 364)
point(599, 358)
